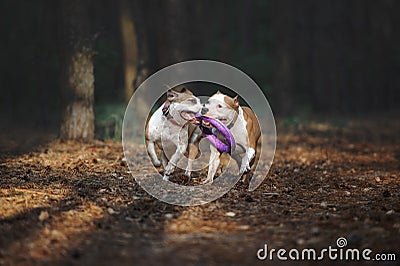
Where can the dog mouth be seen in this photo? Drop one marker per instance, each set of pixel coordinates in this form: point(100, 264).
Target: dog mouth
point(223, 120)
point(189, 116)
point(210, 129)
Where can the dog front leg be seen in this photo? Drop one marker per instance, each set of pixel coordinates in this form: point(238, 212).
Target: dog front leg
point(213, 164)
point(164, 160)
point(238, 160)
point(153, 155)
point(249, 155)
point(245, 166)
point(169, 169)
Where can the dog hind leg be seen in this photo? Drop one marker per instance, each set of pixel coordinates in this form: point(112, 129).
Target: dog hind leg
point(193, 151)
point(213, 164)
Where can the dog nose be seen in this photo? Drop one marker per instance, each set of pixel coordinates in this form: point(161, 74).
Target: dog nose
point(204, 110)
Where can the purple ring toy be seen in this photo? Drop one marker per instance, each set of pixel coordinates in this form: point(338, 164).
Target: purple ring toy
point(223, 129)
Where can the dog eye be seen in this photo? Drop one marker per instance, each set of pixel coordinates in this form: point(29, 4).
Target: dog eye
point(219, 106)
point(193, 100)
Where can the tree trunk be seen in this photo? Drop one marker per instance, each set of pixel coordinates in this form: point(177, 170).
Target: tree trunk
point(282, 20)
point(78, 78)
point(174, 40)
point(144, 21)
point(129, 44)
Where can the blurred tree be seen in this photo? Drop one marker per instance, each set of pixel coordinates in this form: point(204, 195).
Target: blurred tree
point(315, 56)
point(78, 78)
point(174, 33)
point(144, 21)
point(282, 24)
point(129, 45)
point(336, 55)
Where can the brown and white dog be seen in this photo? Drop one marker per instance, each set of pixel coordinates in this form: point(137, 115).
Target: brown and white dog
point(168, 128)
point(244, 126)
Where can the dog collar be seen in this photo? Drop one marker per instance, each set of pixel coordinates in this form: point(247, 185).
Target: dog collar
point(231, 124)
point(165, 109)
point(172, 120)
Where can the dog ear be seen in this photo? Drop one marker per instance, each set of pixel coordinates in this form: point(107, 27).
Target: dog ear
point(185, 90)
point(171, 95)
point(236, 101)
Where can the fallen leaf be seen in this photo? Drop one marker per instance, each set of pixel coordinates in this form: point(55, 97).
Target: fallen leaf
point(44, 215)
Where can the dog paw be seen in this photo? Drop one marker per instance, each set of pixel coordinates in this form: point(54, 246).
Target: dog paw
point(157, 163)
point(244, 169)
point(207, 181)
point(166, 178)
point(169, 169)
point(246, 178)
point(188, 173)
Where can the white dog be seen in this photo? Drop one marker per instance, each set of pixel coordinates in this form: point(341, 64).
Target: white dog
point(244, 126)
point(169, 128)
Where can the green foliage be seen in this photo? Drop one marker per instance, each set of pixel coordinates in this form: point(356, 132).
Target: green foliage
point(108, 70)
point(291, 121)
point(108, 120)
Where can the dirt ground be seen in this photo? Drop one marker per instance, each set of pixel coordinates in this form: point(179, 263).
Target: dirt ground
point(64, 203)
